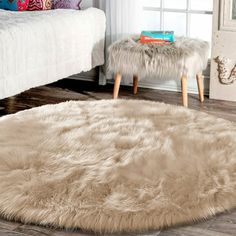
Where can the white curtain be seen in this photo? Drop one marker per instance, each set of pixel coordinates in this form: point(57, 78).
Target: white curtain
point(234, 10)
point(123, 19)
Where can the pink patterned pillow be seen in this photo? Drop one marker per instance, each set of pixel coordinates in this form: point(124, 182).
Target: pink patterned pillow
point(37, 5)
point(67, 4)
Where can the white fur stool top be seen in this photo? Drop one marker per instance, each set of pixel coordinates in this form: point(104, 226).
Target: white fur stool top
point(184, 57)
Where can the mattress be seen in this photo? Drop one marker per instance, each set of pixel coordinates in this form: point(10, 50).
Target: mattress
point(41, 47)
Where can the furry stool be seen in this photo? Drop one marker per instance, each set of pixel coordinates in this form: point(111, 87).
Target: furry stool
point(182, 59)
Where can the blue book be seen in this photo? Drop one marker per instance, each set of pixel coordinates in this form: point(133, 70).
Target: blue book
point(162, 35)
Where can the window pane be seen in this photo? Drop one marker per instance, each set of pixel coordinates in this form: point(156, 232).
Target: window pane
point(152, 20)
point(151, 3)
point(203, 32)
point(175, 4)
point(206, 5)
point(176, 22)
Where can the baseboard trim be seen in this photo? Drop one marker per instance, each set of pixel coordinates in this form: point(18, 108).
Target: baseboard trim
point(91, 75)
point(143, 84)
point(176, 88)
point(90, 79)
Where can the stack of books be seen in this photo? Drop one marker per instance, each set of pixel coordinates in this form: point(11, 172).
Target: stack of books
point(157, 37)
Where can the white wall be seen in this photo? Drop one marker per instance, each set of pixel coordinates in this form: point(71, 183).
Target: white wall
point(175, 85)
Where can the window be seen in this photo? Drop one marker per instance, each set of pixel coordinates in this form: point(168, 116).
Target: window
point(191, 18)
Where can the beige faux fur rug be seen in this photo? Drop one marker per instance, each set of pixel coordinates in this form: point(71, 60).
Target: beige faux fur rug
point(111, 166)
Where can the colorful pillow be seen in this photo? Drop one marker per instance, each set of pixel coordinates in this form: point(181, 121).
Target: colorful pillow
point(67, 4)
point(37, 5)
point(14, 5)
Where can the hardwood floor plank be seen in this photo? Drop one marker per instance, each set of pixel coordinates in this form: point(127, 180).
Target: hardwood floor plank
point(33, 230)
point(11, 233)
point(224, 227)
point(7, 225)
point(191, 231)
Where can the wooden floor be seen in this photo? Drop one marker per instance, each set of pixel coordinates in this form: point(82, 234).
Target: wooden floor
point(222, 225)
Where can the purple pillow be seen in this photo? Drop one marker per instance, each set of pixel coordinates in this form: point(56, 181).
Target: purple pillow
point(67, 4)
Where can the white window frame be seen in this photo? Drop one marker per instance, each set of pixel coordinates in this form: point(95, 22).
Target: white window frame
point(188, 11)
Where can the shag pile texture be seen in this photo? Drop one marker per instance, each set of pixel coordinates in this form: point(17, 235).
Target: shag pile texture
point(184, 57)
point(111, 166)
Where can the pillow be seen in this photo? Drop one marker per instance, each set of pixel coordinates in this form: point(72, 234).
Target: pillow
point(67, 4)
point(37, 5)
point(14, 5)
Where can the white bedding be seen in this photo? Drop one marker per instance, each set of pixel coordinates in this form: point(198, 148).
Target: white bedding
point(41, 47)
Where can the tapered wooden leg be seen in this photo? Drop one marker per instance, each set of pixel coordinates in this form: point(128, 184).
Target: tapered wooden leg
point(184, 85)
point(200, 79)
point(135, 84)
point(118, 78)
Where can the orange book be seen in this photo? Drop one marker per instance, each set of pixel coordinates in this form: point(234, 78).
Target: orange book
point(146, 39)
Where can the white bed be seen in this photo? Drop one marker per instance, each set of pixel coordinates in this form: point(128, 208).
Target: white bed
point(37, 48)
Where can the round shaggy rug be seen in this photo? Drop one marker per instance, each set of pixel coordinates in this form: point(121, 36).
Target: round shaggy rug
point(112, 166)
